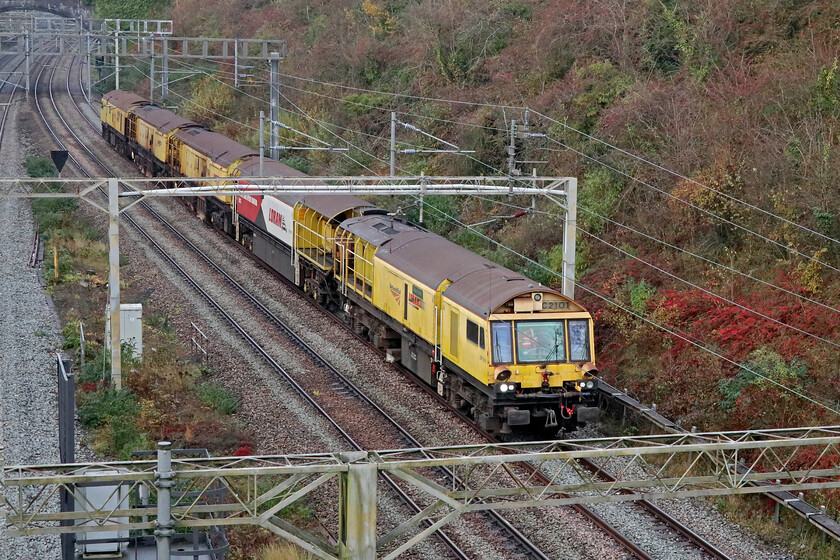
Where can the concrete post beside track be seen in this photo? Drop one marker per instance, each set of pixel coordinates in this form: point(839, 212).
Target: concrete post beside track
point(114, 280)
point(164, 70)
point(117, 57)
point(569, 239)
point(393, 142)
point(87, 52)
point(274, 108)
point(152, 71)
point(28, 48)
point(262, 142)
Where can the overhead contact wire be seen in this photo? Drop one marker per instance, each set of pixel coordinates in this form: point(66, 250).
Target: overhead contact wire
point(696, 207)
point(560, 123)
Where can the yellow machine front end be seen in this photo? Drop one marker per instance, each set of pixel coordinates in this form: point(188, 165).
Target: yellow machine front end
point(531, 346)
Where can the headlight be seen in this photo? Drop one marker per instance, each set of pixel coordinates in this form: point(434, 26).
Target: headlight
point(590, 384)
point(503, 387)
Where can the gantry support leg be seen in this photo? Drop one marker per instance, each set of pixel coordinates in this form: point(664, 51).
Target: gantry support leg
point(357, 510)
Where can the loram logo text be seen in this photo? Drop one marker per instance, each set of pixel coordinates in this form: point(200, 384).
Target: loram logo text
point(276, 218)
point(251, 199)
point(395, 292)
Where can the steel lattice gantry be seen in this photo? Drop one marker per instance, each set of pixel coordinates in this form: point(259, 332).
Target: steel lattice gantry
point(491, 477)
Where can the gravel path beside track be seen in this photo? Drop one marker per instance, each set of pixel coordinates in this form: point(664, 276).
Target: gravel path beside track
point(29, 333)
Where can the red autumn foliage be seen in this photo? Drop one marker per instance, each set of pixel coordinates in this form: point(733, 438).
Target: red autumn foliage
point(89, 387)
point(243, 450)
point(761, 319)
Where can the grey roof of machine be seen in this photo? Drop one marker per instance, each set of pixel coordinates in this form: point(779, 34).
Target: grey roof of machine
point(332, 205)
point(377, 229)
point(124, 100)
point(163, 120)
point(329, 205)
point(478, 284)
point(218, 147)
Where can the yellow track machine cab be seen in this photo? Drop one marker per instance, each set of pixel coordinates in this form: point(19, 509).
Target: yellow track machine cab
point(155, 152)
point(209, 154)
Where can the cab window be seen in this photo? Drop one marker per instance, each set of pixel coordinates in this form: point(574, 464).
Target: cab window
point(502, 340)
point(475, 334)
point(539, 342)
point(579, 341)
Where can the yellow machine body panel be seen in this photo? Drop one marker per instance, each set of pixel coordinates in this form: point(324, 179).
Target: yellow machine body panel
point(160, 144)
point(473, 355)
point(113, 117)
point(145, 135)
point(409, 302)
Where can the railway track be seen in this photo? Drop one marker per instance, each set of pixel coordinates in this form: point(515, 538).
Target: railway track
point(348, 386)
point(808, 512)
point(658, 516)
point(7, 106)
point(526, 548)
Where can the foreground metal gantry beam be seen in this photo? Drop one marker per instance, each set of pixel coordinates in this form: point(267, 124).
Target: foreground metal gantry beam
point(493, 477)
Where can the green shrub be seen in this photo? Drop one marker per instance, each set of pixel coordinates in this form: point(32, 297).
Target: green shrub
point(124, 437)
point(218, 398)
point(49, 212)
point(104, 405)
point(125, 9)
point(72, 339)
point(37, 166)
point(765, 362)
point(517, 9)
point(95, 370)
point(640, 294)
point(599, 194)
point(359, 104)
point(297, 162)
point(65, 266)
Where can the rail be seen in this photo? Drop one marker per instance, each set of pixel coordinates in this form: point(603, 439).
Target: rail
point(795, 503)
